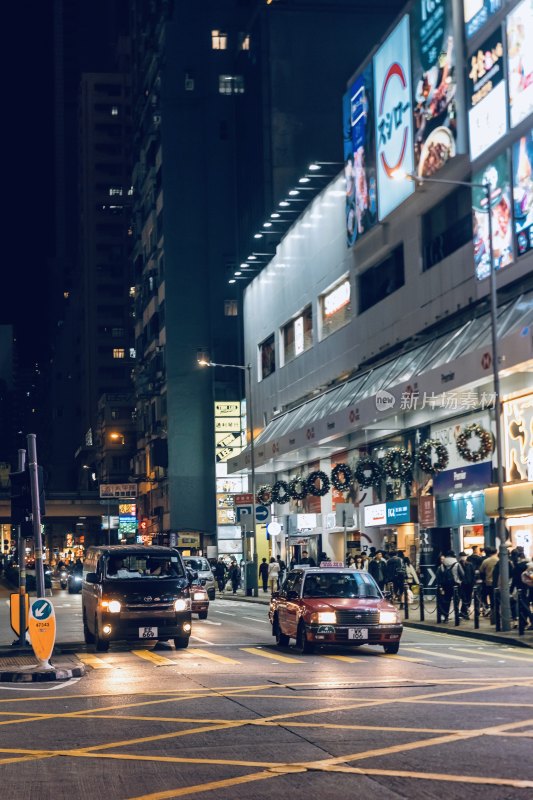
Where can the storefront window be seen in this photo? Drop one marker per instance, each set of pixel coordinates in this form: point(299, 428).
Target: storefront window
point(336, 307)
point(267, 351)
point(297, 335)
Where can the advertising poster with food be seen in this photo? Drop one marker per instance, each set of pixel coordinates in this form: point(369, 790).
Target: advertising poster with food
point(487, 115)
point(359, 157)
point(434, 85)
point(394, 119)
point(520, 61)
point(523, 193)
point(477, 13)
point(497, 174)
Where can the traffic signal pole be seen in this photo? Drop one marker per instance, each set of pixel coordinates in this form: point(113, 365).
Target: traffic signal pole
point(36, 513)
point(21, 550)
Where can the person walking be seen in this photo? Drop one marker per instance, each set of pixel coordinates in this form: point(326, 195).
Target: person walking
point(282, 570)
point(376, 568)
point(273, 575)
point(395, 574)
point(263, 574)
point(449, 575)
point(234, 576)
point(486, 572)
point(220, 574)
point(467, 585)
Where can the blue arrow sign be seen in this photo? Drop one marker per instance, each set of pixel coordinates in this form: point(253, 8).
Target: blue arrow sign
point(262, 514)
point(41, 609)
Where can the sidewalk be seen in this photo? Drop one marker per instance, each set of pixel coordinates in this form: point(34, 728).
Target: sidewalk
point(485, 632)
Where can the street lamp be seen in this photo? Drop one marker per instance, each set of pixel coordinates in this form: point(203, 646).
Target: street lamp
point(117, 437)
point(501, 530)
point(204, 362)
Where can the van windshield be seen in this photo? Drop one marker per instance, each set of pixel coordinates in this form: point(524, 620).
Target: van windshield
point(199, 564)
point(137, 565)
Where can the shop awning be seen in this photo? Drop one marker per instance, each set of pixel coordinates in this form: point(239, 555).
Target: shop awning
point(462, 357)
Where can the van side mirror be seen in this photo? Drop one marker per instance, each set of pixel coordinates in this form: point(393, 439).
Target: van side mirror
point(91, 577)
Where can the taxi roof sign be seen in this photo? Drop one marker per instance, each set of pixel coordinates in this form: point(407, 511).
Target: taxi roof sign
point(335, 564)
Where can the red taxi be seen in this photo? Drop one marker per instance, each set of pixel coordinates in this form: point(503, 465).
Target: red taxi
point(333, 605)
point(199, 599)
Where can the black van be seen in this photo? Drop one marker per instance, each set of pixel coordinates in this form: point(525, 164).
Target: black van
point(135, 593)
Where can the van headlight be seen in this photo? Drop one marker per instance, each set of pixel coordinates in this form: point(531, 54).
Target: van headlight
point(182, 604)
point(388, 618)
point(113, 606)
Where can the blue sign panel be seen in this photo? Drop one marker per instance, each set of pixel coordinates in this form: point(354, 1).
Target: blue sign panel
point(463, 479)
point(398, 512)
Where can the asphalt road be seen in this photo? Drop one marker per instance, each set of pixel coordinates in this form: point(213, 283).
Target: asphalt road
point(236, 717)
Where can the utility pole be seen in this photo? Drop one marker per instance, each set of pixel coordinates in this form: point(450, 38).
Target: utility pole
point(36, 513)
point(21, 550)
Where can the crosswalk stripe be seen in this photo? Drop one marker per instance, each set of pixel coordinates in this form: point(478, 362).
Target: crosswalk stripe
point(501, 655)
point(441, 655)
point(403, 658)
point(93, 661)
point(155, 658)
point(348, 659)
point(198, 651)
point(256, 651)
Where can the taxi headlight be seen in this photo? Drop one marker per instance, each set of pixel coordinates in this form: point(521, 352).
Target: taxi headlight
point(388, 618)
point(182, 604)
point(199, 596)
point(326, 618)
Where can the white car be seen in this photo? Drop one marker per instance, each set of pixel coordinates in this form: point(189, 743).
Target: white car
point(201, 565)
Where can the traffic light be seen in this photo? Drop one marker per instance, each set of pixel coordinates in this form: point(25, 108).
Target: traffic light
point(21, 495)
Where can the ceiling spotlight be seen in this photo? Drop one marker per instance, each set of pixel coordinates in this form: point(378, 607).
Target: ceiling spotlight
point(258, 235)
point(252, 258)
point(293, 192)
point(314, 167)
point(284, 203)
point(267, 224)
point(244, 265)
point(275, 215)
point(232, 280)
point(304, 180)
point(237, 273)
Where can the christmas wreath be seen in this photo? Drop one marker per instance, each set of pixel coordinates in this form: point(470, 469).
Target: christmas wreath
point(280, 492)
point(463, 443)
point(312, 488)
point(298, 488)
point(423, 456)
point(365, 466)
point(397, 463)
point(341, 477)
point(264, 494)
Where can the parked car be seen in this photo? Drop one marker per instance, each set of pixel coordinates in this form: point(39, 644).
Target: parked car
point(335, 606)
point(205, 574)
point(135, 593)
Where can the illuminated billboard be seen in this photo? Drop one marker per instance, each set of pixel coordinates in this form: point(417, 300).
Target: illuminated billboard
point(487, 115)
point(394, 118)
point(523, 193)
point(360, 157)
point(477, 13)
point(497, 173)
point(520, 61)
point(434, 85)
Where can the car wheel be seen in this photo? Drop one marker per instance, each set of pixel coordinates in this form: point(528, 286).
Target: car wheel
point(102, 645)
point(181, 642)
point(392, 649)
point(302, 644)
point(87, 635)
point(202, 615)
point(282, 640)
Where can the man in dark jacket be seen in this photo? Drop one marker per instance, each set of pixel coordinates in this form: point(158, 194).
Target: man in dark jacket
point(467, 584)
point(220, 574)
point(263, 574)
point(395, 573)
point(376, 568)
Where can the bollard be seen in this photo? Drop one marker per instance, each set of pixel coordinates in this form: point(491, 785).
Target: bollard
point(405, 603)
point(457, 618)
point(422, 613)
point(497, 610)
point(476, 607)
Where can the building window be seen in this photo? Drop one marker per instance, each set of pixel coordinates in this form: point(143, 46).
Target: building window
point(115, 191)
point(244, 39)
point(115, 413)
point(381, 280)
point(447, 227)
point(231, 308)
point(114, 111)
point(267, 351)
point(297, 335)
point(219, 40)
point(116, 333)
point(335, 307)
point(133, 352)
point(118, 352)
point(231, 84)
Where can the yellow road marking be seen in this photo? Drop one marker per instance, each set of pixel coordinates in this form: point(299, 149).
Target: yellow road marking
point(256, 651)
point(528, 659)
point(93, 661)
point(403, 658)
point(207, 787)
point(213, 656)
point(348, 659)
point(436, 776)
point(440, 655)
point(155, 658)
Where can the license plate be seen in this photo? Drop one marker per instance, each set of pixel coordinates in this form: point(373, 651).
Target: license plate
point(147, 633)
point(357, 633)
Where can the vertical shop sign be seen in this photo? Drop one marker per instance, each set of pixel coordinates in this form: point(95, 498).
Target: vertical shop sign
point(520, 61)
point(487, 115)
point(497, 173)
point(523, 193)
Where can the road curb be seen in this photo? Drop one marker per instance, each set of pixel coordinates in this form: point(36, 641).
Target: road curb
point(40, 675)
point(471, 634)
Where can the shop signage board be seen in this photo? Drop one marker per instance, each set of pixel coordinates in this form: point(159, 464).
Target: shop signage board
point(42, 628)
point(426, 511)
point(463, 479)
point(522, 170)
point(487, 97)
point(118, 490)
point(518, 438)
point(496, 173)
point(517, 498)
point(375, 515)
point(520, 61)
point(396, 512)
point(477, 13)
point(394, 118)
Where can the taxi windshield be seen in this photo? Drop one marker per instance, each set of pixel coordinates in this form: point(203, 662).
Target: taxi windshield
point(136, 565)
point(340, 584)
